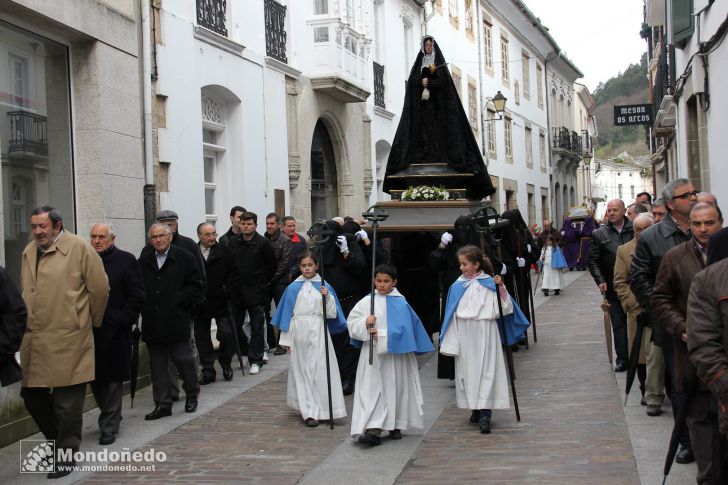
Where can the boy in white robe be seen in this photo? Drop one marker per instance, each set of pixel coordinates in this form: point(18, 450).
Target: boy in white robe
point(388, 393)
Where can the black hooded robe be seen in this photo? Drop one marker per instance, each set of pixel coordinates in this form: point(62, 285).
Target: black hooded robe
point(436, 130)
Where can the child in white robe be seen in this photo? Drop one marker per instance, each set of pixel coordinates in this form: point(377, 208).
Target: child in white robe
point(470, 333)
point(388, 395)
point(300, 319)
point(551, 263)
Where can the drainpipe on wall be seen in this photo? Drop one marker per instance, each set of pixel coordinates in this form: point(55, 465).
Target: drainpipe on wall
point(150, 199)
point(550, 57)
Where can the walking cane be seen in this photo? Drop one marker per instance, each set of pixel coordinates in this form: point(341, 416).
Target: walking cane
point(319, 234)
point(374, 215)
point(509, 352)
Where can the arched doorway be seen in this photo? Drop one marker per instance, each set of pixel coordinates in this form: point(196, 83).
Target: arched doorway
point(324, 194)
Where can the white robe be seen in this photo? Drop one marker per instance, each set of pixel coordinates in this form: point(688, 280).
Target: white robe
point(481, 380)
point(553, 279)
point(307, 390)
point(388, 394)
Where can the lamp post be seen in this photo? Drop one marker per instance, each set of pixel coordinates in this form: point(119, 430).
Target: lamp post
point(499, 105)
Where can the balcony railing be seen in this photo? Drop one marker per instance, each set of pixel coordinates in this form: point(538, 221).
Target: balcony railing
point(379, 85)
point(275, 31)
point(568, 140)
point(211, 15)
point(28, 133)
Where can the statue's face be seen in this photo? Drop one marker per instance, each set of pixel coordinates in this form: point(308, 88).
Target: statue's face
point(428, 47)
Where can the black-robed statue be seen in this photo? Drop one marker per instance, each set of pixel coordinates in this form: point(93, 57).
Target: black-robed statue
point(434, 129)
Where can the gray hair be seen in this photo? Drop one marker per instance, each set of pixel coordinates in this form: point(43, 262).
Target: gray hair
point(668, 192)
point(107, 224)
point(157, 225)
point(53, 214)
point(658, 202)
point(644, 217)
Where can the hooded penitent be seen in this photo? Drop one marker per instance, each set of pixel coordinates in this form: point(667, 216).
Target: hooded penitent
point(436, 130)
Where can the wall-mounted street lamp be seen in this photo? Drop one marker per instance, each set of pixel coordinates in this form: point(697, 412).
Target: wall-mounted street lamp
point(498, 102)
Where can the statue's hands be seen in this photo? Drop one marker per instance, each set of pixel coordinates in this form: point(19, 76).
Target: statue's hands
point(425, 82)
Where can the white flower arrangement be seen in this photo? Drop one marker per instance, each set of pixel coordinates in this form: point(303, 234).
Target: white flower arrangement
point(425, 192)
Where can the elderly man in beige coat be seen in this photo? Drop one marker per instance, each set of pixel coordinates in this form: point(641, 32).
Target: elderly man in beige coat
point(65, 289)
point(650, 371)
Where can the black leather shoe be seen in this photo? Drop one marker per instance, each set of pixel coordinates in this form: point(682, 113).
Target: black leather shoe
point(107, 438)
point(620, 367)
point(485, 425)
point(475, 416)
point(227, 373)
point(370, 439)
point(684, 456)
point(175, 398)
point(62, 470)
point(191, 403)
point(159, 412)
point(347, 387)
point(280, 351)
point(206, 379)
point(556, 292)
point(395, 434)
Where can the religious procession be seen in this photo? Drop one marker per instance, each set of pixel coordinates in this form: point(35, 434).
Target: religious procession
point(333, 320)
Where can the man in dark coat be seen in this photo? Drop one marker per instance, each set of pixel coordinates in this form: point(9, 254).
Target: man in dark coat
point(602, 257)
point(343, 266)
point(669, 301)
point(257, 264)
point(223, 286)
point(234, 224)
point(436, 129)
point(112, 340)
point(679, 196)
point(174, 289)
point(13, 316)
point(298, 246)
point(282, 248)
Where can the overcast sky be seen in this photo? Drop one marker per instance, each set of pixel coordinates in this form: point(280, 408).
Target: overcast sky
point(602, 37)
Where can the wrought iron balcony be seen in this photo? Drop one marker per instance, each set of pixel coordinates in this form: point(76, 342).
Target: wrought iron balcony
point(211, 15)
point(379, 85)
point(562, 138)
point(576, 143)
point(28, 134)
point(275, 31)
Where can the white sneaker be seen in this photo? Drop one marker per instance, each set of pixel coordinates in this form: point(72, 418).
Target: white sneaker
point(254, 369)
point(265, 356)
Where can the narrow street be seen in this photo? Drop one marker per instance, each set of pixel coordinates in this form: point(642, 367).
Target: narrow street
point(574, 426)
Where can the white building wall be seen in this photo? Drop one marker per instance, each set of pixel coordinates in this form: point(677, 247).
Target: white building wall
point(609, 178)
point(715, 169)
point(255, 160)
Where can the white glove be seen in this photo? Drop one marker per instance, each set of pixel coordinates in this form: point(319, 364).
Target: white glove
point(521, 262)
point(504, 270)
point(361, 235)
point(528, 246)
point(563, 233)
point(446, 238)
point(341, 242)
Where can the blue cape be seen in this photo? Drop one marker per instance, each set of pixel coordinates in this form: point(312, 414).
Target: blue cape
point(557, 258)
point(405, 332)
point(284, 311)
point(515, 323)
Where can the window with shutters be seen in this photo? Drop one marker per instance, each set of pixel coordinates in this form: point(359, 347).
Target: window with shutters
point(505, 67)
point(488, 47)
point(525, 65)
point(683, 23)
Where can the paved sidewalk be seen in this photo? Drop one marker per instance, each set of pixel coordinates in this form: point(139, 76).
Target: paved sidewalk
point(574, 426)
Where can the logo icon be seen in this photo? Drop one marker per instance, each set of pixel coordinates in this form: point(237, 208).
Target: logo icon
point(37, 456)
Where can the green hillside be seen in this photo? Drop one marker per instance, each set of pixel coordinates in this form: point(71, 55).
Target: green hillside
point(628, 87)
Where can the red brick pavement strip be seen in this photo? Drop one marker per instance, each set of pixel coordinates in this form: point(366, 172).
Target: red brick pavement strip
point(253, 438)
point(573, 427)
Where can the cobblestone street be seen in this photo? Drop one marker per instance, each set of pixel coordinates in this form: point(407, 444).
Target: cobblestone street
point(574, 427)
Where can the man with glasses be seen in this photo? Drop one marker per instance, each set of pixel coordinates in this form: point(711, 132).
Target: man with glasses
point(173, 285)
point(223, 285)
point(679, 197)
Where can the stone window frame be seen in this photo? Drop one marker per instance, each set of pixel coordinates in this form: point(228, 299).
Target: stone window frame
point(528, 131)
point(508, 137)
point(488, 45)
point(539, 85)
point(505, 66)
